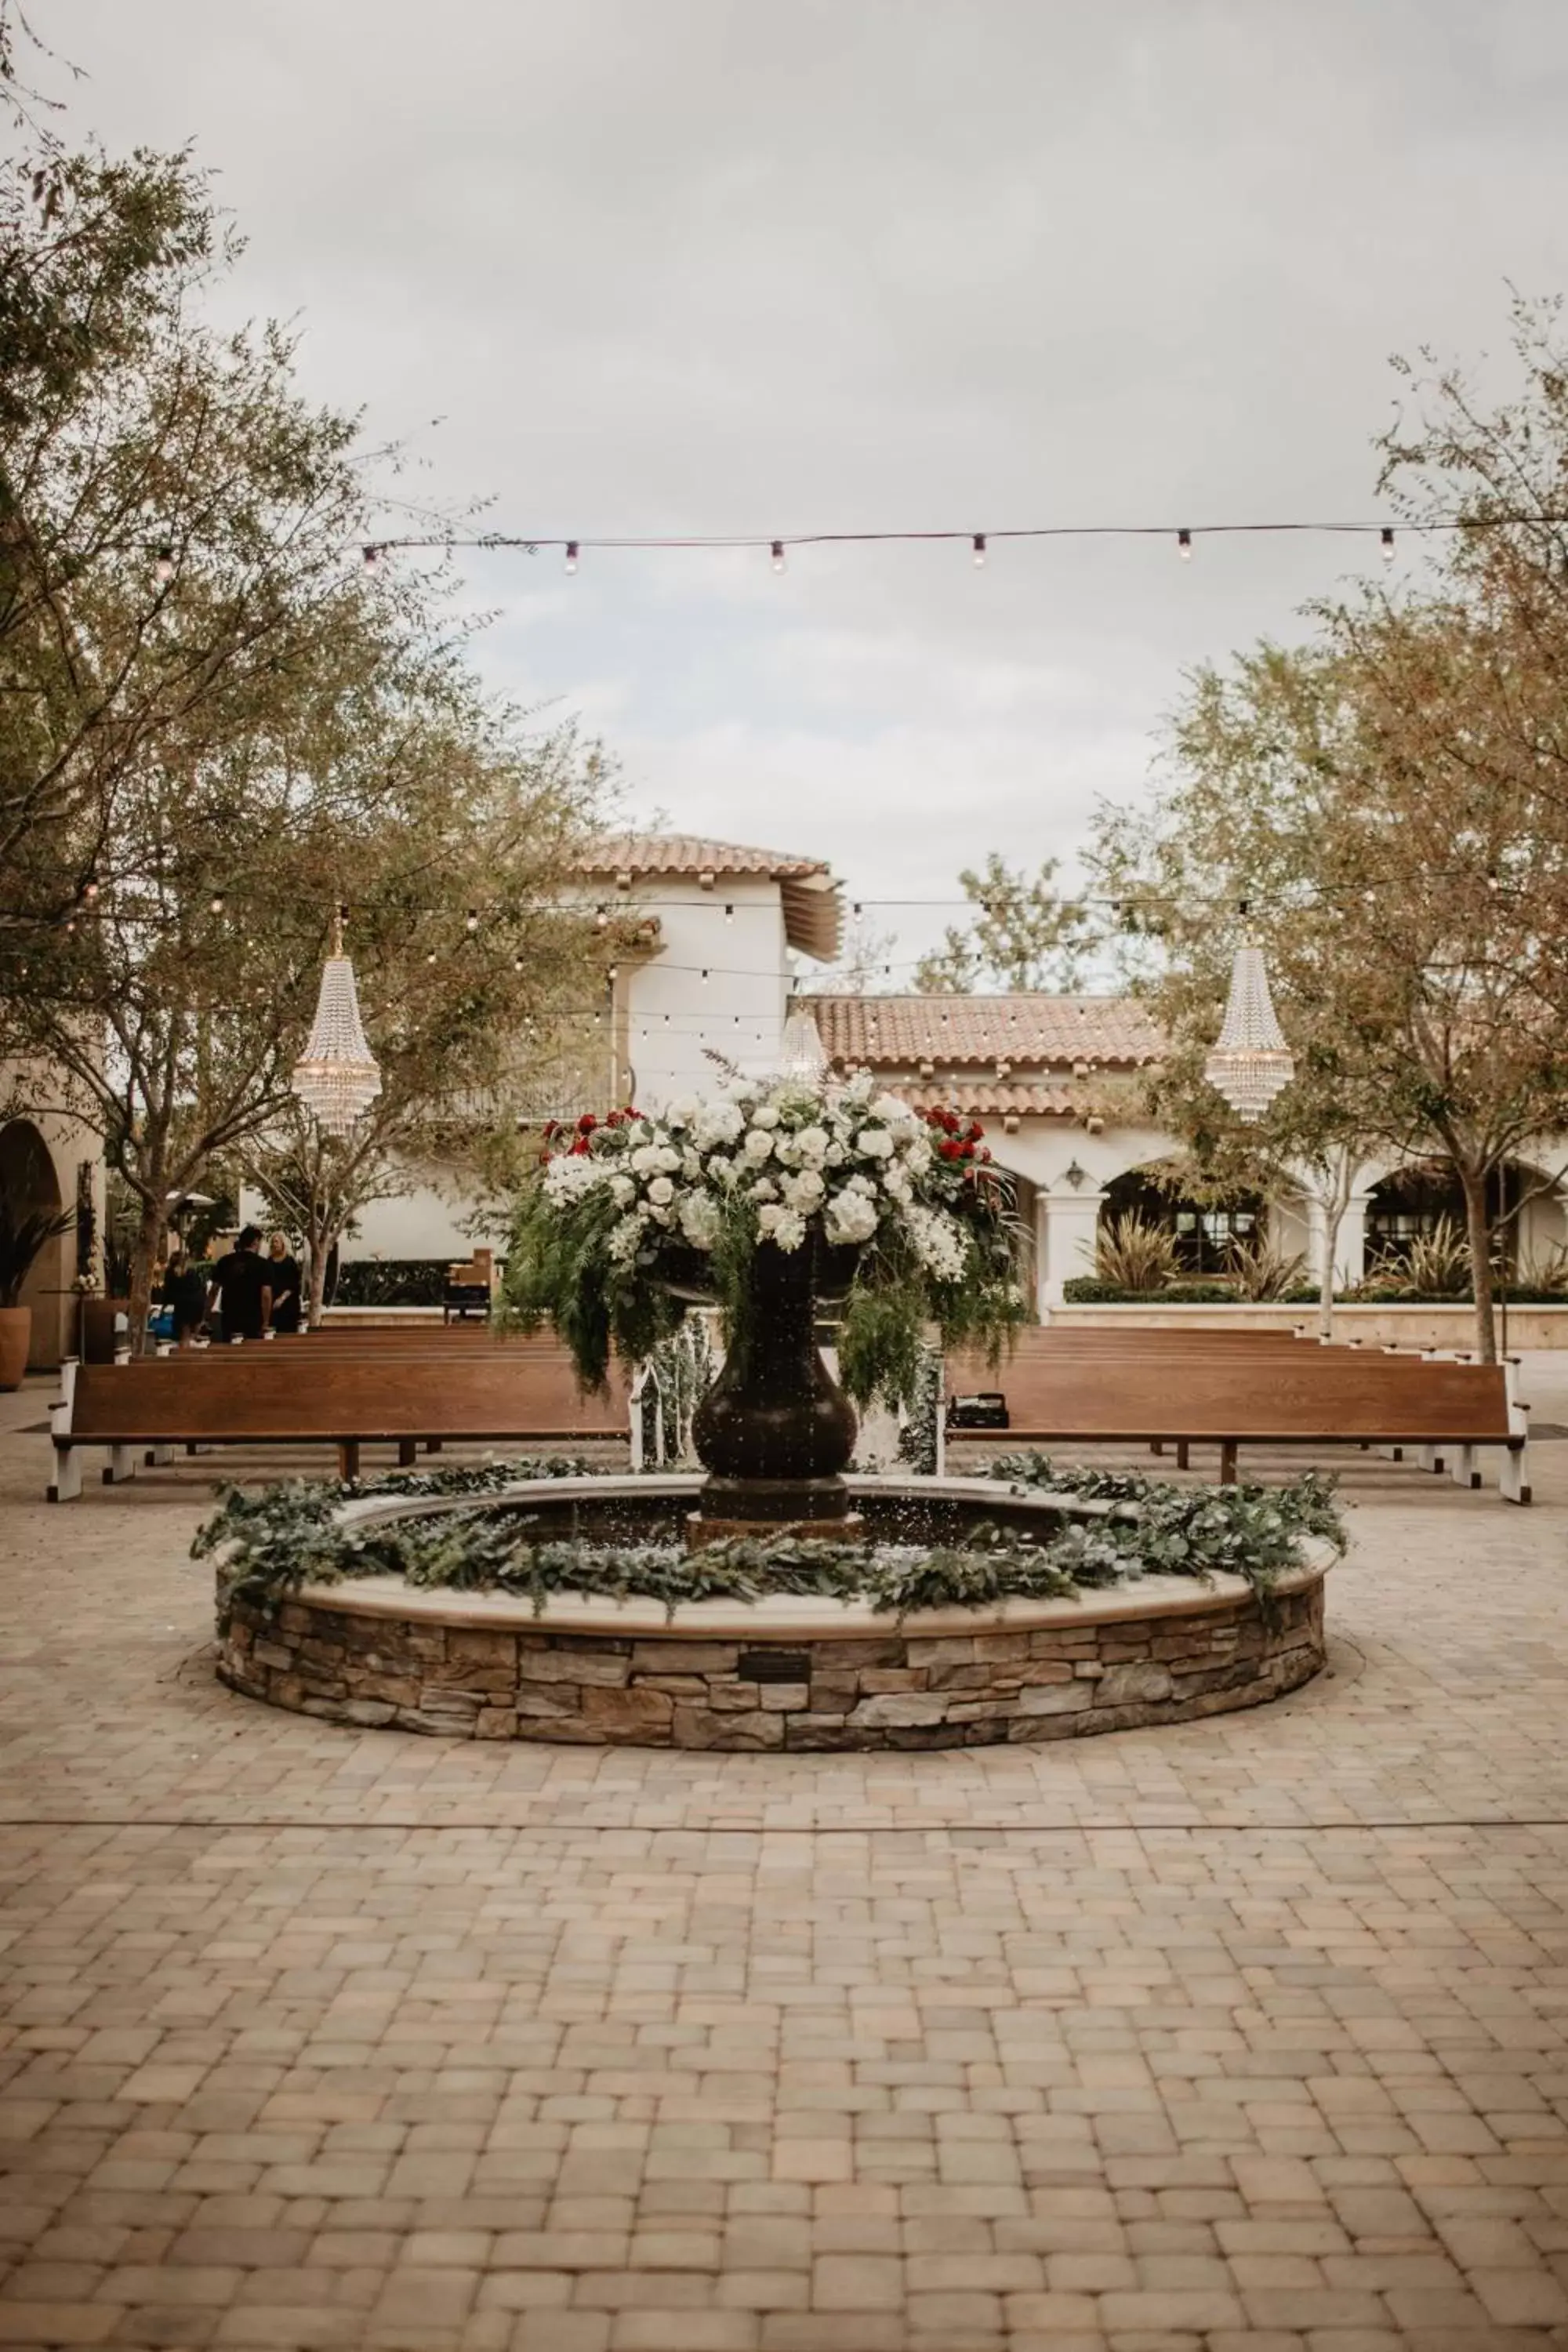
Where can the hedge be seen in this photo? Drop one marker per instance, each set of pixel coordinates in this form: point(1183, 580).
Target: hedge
point(391, 1282)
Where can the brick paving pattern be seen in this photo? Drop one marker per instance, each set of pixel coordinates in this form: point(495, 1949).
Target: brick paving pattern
point(1249, 2035)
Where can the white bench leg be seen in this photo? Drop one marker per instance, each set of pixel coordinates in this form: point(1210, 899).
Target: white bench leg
point(1513, 1479)
point(65, 1484)
point(122, 1465)
point(1432, 1459)
point(158, 1458)
point(1462, 1466)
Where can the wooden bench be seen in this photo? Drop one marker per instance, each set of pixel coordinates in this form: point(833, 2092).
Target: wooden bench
point(265, 1396)
point(1310, 1397)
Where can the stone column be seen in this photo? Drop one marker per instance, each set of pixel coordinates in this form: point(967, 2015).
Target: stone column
point(1066, 1238)
point(1350, 1246)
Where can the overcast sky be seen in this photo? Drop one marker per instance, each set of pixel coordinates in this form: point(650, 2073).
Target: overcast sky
point(735, 266)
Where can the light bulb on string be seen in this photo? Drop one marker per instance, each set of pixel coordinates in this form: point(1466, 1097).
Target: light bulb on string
point(1385, 541)
point(163, 564)
point(472, 921)
point(370, 556)
point(704, 975)
point(571, 565)
point(729, 914)
point(215, 903)
point(1184, 545)
point(980, 550)
point(778, 555)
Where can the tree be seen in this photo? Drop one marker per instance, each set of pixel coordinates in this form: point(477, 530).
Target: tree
point(1400, 876)
point(474, 1004)
point(1026, 935)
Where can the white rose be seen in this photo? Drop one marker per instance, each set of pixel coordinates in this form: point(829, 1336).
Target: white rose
point(765, 1189)
point(661, 1191)
point(811, 1144)
point(721, 1171)
point(666, 1158)
point(805, 1190)
point(765, 1115)
point(758, 1145)
point(835, 1156)
point(875, 1143)
point(690, 1165)
point(890, 1111)
point(645, 1159)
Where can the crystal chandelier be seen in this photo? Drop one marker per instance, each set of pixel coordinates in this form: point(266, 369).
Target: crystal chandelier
point(801, 1051)
point(336, 1078)
point(1250, 1061)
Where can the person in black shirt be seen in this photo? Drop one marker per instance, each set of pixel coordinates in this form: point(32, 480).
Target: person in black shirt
point(186, 1292)
point(283, 1271)
point(241, 1288)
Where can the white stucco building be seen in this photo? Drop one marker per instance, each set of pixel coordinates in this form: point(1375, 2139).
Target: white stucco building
point(715, 925)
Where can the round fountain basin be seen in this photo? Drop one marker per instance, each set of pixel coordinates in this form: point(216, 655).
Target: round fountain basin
point(793, 1672)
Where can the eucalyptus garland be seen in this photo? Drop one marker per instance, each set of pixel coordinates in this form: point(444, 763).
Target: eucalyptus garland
point(285, 1536)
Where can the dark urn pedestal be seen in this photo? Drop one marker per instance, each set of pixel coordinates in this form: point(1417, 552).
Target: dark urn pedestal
point(775, 1430)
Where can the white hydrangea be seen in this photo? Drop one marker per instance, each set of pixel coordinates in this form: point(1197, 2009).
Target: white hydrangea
point(849, 1217)
point(699, 1217)
point(717, 1122)
point(875, 1143)
point(623, 1192)
point(565, 1178)
point(890, 1111)
point(896, 1179)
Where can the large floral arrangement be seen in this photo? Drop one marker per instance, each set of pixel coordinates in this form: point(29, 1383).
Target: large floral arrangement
point(908, 1220)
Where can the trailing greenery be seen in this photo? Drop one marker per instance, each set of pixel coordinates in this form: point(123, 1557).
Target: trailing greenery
point(282, 1537)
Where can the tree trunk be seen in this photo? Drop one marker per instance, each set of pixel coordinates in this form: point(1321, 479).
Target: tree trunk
point(323, 1239)
point(1334, 1217)
point(1479, 1228)
point(143, 1257)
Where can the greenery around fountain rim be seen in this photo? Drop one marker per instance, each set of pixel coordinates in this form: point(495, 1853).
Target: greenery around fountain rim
point(278, 1539)
point(902, 1216)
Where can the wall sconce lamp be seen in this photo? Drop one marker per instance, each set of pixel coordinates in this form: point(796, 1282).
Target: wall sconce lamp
point(1076, 1176)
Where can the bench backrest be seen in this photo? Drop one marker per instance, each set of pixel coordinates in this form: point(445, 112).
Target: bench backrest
point(1373, 1397)
point(242, 1393)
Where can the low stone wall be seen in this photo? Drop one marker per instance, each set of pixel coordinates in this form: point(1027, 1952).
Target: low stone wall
point(782, 1676)
point(1390, 1325)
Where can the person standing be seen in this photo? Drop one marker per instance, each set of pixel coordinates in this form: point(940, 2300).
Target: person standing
point(184, 1292)
point(241, 1288)
point(283, 1273)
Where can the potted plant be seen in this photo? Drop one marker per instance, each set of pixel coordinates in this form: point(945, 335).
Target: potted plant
point(768, 1199)
point(24, 1234)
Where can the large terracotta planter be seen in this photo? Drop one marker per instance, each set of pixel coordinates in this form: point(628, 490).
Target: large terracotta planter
point(16, 1339)
point(775, 1430)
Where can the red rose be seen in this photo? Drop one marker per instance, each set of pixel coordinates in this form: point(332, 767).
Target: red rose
point(975, 1131)
point(588, 1123)
point(579, 1149)
point(950, 1151)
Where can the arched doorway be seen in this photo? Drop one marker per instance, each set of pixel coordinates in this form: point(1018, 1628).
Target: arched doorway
point(1204, 1234)
point(28, 1181)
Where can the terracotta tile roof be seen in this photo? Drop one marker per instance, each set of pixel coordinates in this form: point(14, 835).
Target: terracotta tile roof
point(810, 895)
point(981, 1101)
point(1030, 1030)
